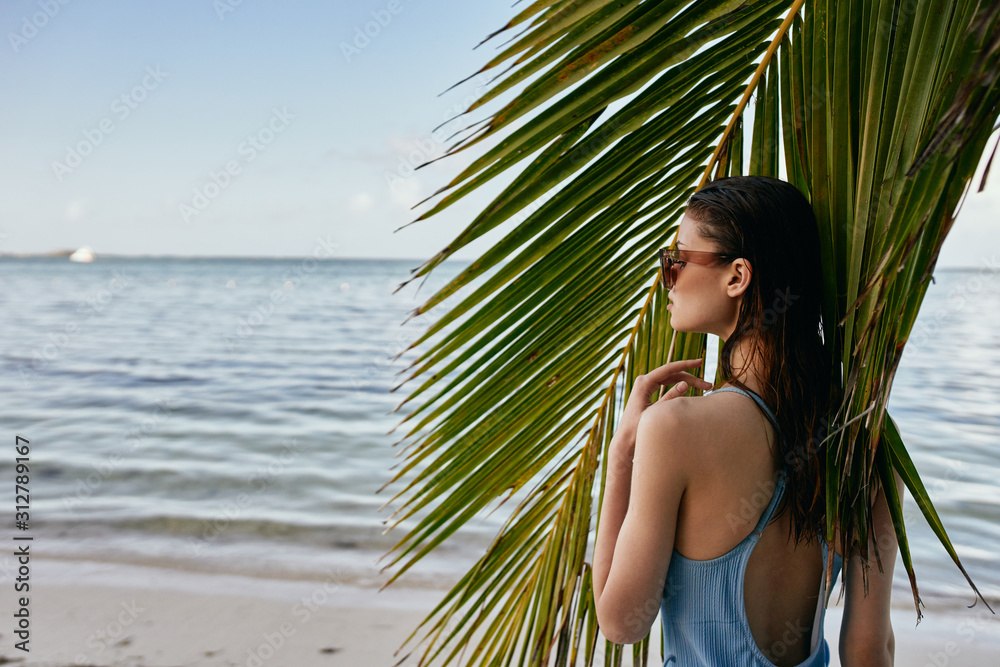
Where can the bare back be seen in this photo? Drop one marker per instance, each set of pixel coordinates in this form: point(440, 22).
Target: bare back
point(737, 452)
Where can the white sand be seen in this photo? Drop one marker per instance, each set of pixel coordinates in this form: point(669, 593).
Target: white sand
point(106, 614)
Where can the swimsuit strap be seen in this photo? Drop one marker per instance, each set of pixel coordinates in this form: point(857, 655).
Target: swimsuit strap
point(759, 401)
point(765, 518)
point(782, 473)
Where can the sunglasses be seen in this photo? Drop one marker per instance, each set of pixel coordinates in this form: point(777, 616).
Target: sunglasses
point(671, 259)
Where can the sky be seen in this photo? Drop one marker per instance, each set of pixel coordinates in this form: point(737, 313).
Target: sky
point(251, 128)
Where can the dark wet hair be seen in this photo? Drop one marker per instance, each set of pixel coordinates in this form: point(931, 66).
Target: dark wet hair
point(771, 224)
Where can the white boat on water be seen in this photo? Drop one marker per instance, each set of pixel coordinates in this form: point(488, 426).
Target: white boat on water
point(84, 254)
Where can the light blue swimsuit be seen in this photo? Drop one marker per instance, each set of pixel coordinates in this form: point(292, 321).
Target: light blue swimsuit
point(704, 617)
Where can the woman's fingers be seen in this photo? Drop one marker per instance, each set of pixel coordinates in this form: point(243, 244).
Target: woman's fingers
point(671, 373)
point(664, 374)
point(679, 367)
point(675, 391)
point(677, 376)
point(695, 381)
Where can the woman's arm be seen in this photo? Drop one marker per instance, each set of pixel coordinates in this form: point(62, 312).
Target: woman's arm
point(642, 493)
point(635, 536)
point(866, 630)
point(636, 530)
point(617, 490)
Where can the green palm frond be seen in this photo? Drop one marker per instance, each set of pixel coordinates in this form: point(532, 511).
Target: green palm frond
point(878, 111)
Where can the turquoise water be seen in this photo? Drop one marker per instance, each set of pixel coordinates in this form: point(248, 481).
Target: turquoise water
point(232, 415)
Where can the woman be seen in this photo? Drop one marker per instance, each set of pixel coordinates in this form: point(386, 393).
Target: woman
point(714, 510)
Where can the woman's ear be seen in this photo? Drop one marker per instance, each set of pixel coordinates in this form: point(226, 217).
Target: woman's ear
point(739, 275)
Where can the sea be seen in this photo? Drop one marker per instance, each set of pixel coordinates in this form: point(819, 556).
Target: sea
point(243, 415)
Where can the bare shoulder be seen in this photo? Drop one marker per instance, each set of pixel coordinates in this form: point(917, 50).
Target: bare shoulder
point(725, 433)
point(683, 413)
point(689, 423)
point(708, 418)
point(686, 410)
point(674, 422)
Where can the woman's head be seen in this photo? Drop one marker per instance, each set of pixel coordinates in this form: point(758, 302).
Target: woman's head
point(763, 296)
point(708, 284)
point(769, 271)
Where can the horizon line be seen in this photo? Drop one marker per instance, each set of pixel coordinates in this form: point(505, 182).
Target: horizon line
point(59, 254)
point(54, 254)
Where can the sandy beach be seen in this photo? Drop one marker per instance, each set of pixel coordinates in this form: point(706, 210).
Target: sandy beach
point(86, 613)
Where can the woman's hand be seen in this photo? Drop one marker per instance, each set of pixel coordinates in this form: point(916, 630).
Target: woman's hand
point(645, 385)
